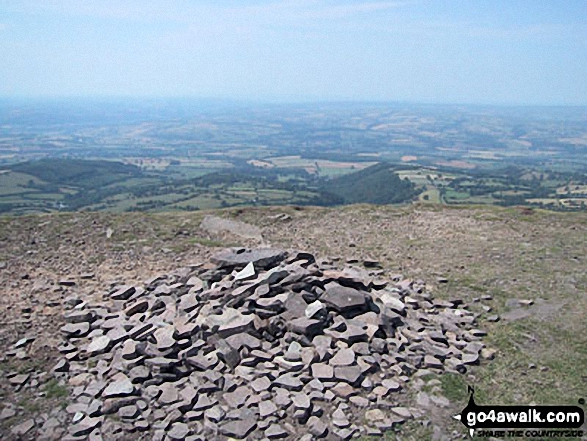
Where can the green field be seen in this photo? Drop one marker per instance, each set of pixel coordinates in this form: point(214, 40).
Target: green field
point(63, 185)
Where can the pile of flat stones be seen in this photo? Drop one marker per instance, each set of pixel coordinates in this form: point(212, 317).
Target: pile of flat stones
point(257, 344)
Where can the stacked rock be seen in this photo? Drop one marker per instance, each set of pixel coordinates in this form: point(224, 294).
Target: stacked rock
point(257, 344)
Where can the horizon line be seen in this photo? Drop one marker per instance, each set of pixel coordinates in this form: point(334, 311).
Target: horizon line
point(277, 100)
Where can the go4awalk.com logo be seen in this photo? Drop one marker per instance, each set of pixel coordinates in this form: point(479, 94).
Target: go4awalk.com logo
point(522, 421)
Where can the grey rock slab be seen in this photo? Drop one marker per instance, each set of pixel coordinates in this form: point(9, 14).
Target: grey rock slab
point(316, 385)
point(360, 401)
point(117, 334)
point(230, 322)
point(128, 412)
point(423, 400)
point(261, 384)
point(470, 359)
point(262, 258)
point(344, 357)
point(111, 405)
point(289, 366)
point(317, 427)
point(203, 363)
point(403, 412)
point(164, 337)
point(339, 419)
point(195, 284)
point(349, 374)
point(432, 362)
point(248, 272)
point(391, 300)
point(188, 302)
point(7, 413)
point(391, 385)
point(75, 329)
point(238, 397)
point(440, 400)
point(275, 431)
point(121, 386)
point(295, 307)
point(289, 381)
point(301, 401)
point(305, 326)
point(373, 415)
point(162, 362)
point(215, 414)
point(343, 390)
point(123, 292)
point(343, 299)
point(314, 308)
point(178, 431)
point(267, 408)
point(204, 402)
point(282, 398)
point(98, 345)
point(129, 350)
point(85, 426)
point(85, 315)
point(19, 380)
point(169, 394)
point(242, 340)
point(238, 429)
point(225, 351)
point(23, 428)
point(94, 408)
point(322, 371)
point(488, 354)
point(137, 307)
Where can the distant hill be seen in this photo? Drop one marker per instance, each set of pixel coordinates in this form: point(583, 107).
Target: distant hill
point(377, 184)
point(78, 172)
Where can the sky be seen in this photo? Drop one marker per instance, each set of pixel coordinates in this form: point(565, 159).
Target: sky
point(520, 52)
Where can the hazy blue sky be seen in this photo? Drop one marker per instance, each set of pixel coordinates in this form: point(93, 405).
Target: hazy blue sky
point(472, 51)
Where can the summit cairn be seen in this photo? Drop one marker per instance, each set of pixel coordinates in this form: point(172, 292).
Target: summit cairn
point(258, 344)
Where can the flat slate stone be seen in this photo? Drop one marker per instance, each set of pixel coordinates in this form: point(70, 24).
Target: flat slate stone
point(247, 272)
point(76, 329)
point(120, 387)
point(19, 380)
point(238, 429)
point(267, 408)
point(305, 326)
point(261, 384)
point(344, 357)
point(239, 257)
point(164, 337)
point(215, 414)
point(350, 374)
point(98, 345)
point(23, 428)
point(317, 427)
point(343, 299)
point(322, 371)
point(178, 431)
point(123, 293)
point(230, 322)
point(275, 431)
point(314, 308)
point(289, 381)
